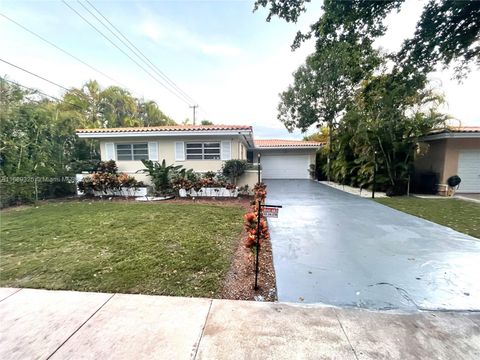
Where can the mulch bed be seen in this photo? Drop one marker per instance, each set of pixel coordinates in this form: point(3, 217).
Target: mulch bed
point(240, 279)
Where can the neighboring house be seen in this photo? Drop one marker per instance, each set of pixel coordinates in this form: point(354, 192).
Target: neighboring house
point(203, 148)
point(453, 151)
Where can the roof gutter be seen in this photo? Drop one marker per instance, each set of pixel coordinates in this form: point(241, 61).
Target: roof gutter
point(98, 135)
point(287, 147)
point(451, 135)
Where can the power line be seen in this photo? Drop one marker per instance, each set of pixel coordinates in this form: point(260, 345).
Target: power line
point(38, 76)
point(40, 92)
point(62, 50)
point(138, 52)
point(114, 44)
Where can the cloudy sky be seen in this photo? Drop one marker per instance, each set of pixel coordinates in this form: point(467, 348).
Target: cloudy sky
point(228, 59)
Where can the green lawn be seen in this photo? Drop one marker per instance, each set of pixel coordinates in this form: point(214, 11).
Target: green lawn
point(457, 214)
point(170, 249)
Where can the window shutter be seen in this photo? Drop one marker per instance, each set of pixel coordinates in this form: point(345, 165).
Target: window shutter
point(109, 151)
point(179, 151)
point(226, 151)
point(153, 151)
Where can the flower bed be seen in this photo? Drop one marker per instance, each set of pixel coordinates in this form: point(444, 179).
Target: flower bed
point(208, 192)
point(106, 181)
point(208, 186)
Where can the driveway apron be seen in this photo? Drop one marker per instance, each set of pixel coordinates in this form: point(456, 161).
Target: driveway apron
point(336, 248)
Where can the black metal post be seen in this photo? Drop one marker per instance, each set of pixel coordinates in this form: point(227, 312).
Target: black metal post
point(374, 173)
point(258, 243)
point(258, 170)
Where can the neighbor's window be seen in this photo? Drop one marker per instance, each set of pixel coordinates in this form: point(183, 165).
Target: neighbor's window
point(132, 151)
point(203, 151)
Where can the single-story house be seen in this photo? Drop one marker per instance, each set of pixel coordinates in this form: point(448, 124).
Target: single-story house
point(452, 151)
point(203, 148)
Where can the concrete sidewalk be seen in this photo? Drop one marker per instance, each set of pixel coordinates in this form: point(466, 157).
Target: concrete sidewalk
point(41, 324)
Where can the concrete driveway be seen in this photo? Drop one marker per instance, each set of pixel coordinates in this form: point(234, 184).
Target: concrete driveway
point(335, 248)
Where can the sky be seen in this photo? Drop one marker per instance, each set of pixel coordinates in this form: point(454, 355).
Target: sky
point(228, 59)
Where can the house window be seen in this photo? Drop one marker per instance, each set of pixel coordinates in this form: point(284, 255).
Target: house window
point(203, 151)
point(132, 151)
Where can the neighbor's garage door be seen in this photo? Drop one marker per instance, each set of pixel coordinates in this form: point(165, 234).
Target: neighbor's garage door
point(285, 166)
point(469, 171)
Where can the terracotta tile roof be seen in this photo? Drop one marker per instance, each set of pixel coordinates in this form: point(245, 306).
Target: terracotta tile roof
point(464, 129)
point(457, 129)
point(165, 128)
point(279, 143)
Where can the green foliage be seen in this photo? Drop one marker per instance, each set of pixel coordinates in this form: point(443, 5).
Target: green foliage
point(161, 175)
point(320, 136)
point(345, 85)
point(446, 32)
point(386, 116)
point(113, 106)
point(233, 169)
point(38, 145)
point(109, 167)
point(107, 180)
point(209, 175)
point(206, 122)
point(323, 86)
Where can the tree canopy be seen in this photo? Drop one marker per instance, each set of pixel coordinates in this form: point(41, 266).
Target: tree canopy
point(374, 102)
point(38, 145)
point(447, 31)
point(113, 106)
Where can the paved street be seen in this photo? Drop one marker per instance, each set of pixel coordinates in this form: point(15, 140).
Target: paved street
point(42, 324)
point(339, 249)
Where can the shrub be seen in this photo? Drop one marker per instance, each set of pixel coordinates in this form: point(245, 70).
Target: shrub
point(107, 179)
point(251, 218)
point(209, 175)
point(108, 167)
point(233, 169)
point(162, 176)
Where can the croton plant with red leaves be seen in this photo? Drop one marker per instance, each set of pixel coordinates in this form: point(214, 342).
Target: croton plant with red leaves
point(251, 218)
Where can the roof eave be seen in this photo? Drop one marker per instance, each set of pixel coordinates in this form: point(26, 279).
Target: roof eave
point(451, 135)
point(287, 147)
point(99, 135)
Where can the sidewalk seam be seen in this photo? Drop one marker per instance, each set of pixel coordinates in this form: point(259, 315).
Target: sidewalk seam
point(345, 333)
point(203, 329)
point(5, 298)
point(81, 325)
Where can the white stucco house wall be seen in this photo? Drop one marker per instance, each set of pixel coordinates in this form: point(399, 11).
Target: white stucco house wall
point(203, 148)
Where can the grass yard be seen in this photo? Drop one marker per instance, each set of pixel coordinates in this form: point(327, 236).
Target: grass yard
point(457, 214)
point(166, 248)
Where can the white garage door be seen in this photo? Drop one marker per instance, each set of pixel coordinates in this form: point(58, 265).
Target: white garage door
point(469, 171)
point(285, 166)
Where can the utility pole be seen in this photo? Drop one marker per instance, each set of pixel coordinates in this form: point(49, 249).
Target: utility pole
point(194, 107)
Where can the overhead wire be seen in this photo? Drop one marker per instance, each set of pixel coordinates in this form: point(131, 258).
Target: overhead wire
point(62, 50)
point(31, 73)
point(40, 92)
point(120, 49)
point(138, 52)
